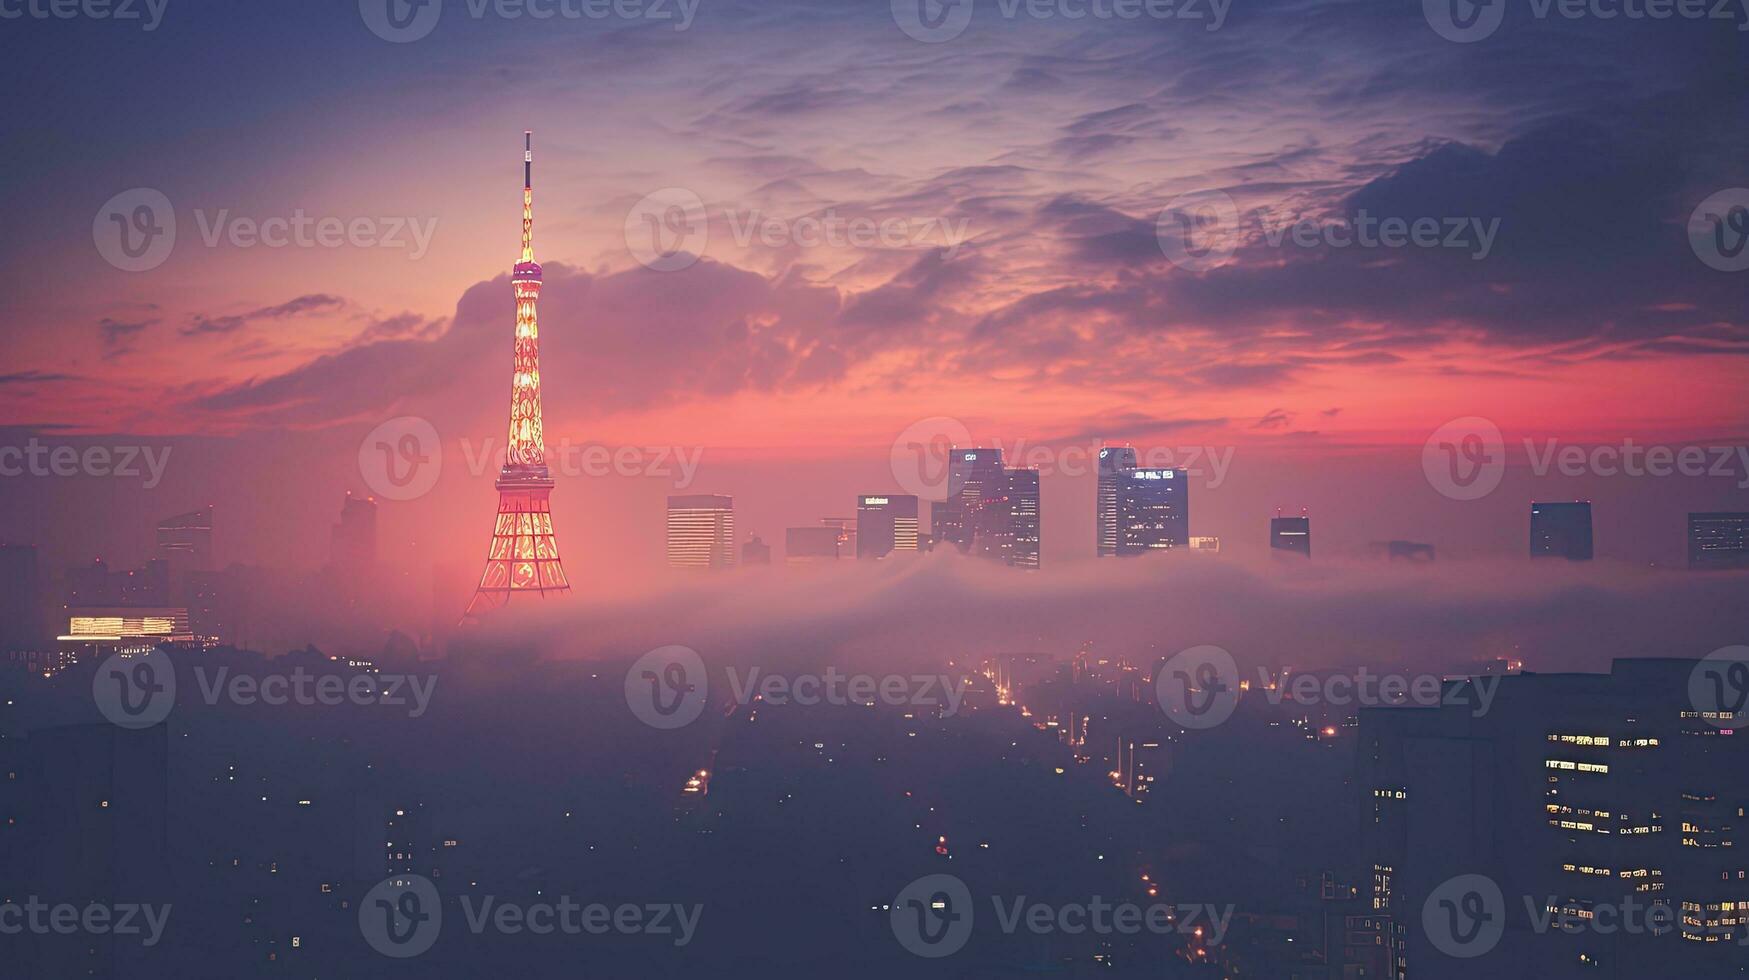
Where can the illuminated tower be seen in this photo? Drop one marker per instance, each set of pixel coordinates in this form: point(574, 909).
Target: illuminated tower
point(524, 555)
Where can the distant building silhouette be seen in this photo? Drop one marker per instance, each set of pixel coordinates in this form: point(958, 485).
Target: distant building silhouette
point(186, 540)
point(885, 523)
point(1560, 530)
point(806, 545)
point(701, 531)
point(1208, 543)
point(755, 552)
point(352, 544)
point(1153, 510)
point(1114, 461)
point(1403, 550)
point(1291, 534)
point(1718, 539)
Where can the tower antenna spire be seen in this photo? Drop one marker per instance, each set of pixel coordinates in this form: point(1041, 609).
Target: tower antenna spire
point(528, 159)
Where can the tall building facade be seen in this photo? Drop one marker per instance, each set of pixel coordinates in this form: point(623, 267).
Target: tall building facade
point(1577, 795)
point(186, 540)
point(807, 545)
point(1006, 520)
point(1153, 510)
point(523, 556)
point(1718, 539)
point(1114, 461)
point(701, 531)
point(885, 523)
point(1560, 530)
point(1291, 534)
point(972, 474)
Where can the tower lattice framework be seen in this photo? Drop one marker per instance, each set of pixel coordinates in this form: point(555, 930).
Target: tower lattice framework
point(523, 558)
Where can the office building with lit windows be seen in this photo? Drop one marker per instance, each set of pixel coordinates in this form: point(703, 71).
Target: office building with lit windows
point(1006, 521)
point(1718, 540)
point(1114, 462)
point(1153, 510)
point(1560, 530)
point(1577, 794)
point(972, 474)
point(885, 523)
point(701, 531)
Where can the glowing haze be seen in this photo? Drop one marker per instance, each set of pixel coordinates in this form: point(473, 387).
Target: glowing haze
point(894, 230)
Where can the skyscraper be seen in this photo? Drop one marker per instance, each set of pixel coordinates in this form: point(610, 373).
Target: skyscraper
point(1005, 521)
point(885, 523)
point(1292, 534)
point(755, 552)
point(1577, 791)
point(701, 531)
point(971, 474)
point(1718, 540)
point(807, 545)
point(1561, 530)
point(186, 540)
point(1114, 461)
point(523, 557)
point(1153, 510)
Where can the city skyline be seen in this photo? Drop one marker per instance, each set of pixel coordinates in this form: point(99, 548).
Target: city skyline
point(1170, 489)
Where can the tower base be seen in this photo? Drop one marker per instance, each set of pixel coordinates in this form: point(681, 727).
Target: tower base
point(523, 558)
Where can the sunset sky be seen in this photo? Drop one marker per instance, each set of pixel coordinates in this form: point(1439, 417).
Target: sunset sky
point(1024, 163)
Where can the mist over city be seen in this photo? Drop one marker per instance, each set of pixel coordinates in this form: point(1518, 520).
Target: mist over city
point(1188, 489)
